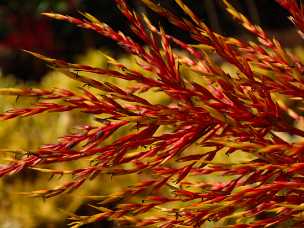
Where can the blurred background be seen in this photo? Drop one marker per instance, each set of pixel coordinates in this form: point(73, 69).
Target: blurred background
point(22, 27)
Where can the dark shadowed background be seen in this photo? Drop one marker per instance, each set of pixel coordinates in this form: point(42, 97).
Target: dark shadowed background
point(22, 27)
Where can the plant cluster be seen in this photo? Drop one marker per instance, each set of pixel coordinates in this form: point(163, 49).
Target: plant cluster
point(173, 146)
point(29, 134)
